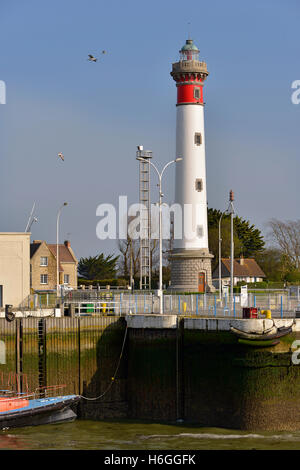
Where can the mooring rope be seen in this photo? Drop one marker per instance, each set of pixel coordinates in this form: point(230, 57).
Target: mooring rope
point(114, 376)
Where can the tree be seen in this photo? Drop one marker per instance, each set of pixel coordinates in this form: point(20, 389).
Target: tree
point(250, 237)
point(286, 236)
point(271, 262)
point(98, 267)
point(248, 240)
point(129, 258)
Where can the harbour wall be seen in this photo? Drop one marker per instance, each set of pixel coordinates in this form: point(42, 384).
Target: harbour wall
point(159, 367)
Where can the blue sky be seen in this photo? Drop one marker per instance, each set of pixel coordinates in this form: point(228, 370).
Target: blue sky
point(96, 113)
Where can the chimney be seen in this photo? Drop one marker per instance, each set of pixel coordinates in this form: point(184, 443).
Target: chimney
point(67, 243)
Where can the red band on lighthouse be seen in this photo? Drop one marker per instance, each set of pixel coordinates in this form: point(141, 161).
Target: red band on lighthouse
point(189, 93)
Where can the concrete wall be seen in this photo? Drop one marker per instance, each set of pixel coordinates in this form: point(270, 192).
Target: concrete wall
point(200, 374)
point(170, 368)
point(14, 267)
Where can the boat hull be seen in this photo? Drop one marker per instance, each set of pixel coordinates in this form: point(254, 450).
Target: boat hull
point(42, 411)
point(259, 337)
point(258, 344)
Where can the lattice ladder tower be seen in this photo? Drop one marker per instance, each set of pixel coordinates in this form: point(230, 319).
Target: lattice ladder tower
point(145, 219)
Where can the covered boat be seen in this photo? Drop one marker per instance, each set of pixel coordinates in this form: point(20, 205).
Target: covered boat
point(261, 333)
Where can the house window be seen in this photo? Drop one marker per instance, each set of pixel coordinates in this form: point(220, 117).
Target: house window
point(44, 261)
point(198, 138)
point(197, 93)
point(66, 279)
point(44, 278)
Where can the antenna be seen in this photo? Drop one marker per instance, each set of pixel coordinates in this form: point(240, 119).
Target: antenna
point(189, 32)
point(30, 222)
point(33, 220)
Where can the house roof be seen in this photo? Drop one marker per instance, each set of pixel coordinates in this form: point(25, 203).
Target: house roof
point(33, 248)
point(248, 268)
point(64, 253)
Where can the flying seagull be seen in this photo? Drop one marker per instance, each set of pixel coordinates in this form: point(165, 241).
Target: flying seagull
point(61, 156)
point(92, 58)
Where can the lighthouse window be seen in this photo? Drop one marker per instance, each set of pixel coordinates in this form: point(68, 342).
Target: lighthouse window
point(198, 138)
point(199, 185)
point(200, 231)
point(197, 93)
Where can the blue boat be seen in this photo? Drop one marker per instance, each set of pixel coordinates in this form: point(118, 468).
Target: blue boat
point(18, 410)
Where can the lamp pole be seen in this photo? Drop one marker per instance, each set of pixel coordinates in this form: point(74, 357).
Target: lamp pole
point(231, 211)
point(220, 253)
point(57, 251)
point(160, 175)
point(220, 244)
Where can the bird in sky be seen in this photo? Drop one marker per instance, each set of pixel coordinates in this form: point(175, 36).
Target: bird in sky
point(61, 156)
point(92, 58)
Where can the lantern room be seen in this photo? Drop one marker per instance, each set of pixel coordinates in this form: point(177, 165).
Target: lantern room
point(189, 51)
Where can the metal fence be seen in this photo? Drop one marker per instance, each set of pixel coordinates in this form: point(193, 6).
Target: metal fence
point(40, 301)
point(281, 303)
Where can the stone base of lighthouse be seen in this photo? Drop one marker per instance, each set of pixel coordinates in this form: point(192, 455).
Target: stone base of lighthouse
point(191, 270)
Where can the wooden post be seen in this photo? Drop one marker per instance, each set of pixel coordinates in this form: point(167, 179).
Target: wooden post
point(78, 348)
point(19, 355)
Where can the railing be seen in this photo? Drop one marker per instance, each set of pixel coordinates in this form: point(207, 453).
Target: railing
point(189, 66)
point(140, 302)
point(92, 287)
point(40, 301)
point(98, 301)
point(8, 396)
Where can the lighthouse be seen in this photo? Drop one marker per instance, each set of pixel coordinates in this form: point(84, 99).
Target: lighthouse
point(190, 257)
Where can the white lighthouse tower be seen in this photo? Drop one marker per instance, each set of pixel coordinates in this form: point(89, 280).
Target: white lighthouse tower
point(191, 260)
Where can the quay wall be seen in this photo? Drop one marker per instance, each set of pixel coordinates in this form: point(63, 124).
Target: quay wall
point(169, 368)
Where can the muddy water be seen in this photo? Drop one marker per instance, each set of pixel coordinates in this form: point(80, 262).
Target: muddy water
point(104, 435)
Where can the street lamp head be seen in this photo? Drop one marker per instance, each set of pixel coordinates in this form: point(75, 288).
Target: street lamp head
point(178, 159)
point(141, 159)
point(65, 203)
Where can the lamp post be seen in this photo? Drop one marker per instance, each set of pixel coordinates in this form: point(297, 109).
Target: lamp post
point(57, 251)
point(229, 211)
point(220, 257)
point(160, 175)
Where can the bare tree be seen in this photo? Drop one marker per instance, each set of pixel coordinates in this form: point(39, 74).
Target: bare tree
point(129, 260)
point(286, 236)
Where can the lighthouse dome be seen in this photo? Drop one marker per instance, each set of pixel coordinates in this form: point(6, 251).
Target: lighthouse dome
point(189, 46)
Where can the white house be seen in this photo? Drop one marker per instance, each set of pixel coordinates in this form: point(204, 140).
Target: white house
point(244, 269)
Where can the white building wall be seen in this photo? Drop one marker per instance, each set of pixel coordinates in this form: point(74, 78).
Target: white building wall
point(14, 267)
